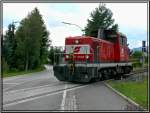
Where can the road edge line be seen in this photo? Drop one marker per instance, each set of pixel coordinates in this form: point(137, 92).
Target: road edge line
point(64, 98)
point(125, 97)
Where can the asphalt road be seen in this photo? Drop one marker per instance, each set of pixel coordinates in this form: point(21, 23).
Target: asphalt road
point(42, 91)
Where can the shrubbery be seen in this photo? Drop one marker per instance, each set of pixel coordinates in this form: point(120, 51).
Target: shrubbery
point(137, 64)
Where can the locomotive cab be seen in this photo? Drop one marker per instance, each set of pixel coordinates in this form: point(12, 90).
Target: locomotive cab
point(78, 49)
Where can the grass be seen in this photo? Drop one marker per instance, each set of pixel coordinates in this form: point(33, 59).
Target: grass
point(17, 72)
point(140, 67)
point(137, 91)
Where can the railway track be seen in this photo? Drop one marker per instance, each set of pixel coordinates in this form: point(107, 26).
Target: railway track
point(47, 93)
point(139, 71)
point(31, 88)
point(136, 72)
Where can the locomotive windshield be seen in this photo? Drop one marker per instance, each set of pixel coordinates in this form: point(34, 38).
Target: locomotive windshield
point(77, 49)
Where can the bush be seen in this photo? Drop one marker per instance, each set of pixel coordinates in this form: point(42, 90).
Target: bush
point(137, 64)
point(13, 70)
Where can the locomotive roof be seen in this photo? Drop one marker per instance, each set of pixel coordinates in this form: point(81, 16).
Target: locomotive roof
point(83, 37)
point(122, 34)
point(91, 36)
point(79, 37)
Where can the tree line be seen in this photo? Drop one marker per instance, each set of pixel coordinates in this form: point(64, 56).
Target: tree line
point(28, 46)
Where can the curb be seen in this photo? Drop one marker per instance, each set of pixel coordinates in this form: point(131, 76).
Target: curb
point(26, 74)
point(125, 97)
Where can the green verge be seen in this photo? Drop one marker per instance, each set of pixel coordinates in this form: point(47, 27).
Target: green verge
point(18, 73)
point(137, 91)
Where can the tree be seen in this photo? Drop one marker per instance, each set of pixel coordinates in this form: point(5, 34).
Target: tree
point(45, 43)
point(9, 47)
point(55, 54)
point(51, 55)
point(32, 41)
point(137, 54)
point(101, 18)
point(136, 58)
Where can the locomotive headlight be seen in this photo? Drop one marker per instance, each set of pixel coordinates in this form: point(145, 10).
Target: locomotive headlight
point(67, 56)
point(76, 41)
point(87, 56)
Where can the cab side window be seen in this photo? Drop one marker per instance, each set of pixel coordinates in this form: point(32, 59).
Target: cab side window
point(123, 40)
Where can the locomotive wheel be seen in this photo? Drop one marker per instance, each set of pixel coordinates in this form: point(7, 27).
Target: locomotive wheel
point(104, 75)
point(95, 79)
point(127, 70)
point(99, 76)
point(124, 76)
point(117, 77)
point(92, 80)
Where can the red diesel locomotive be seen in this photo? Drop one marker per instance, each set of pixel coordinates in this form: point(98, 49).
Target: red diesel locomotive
point(88, 58)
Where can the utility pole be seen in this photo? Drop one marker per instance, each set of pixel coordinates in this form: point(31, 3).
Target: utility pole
point(143, 53)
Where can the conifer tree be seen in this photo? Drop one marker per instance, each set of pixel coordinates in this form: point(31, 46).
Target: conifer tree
point(32, 41)
point(9, 46)
point(101, 18)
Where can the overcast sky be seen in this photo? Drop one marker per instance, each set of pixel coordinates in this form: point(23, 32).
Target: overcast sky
point(131, 18)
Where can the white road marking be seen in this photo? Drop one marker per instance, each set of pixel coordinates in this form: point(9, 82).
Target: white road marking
point(64, 99)
point(68, 101)
point(74, 103)
point(33, 98)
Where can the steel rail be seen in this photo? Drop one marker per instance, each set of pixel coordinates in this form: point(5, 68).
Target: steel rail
point(39, 95)
point(36, 87)
point(137, 71)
